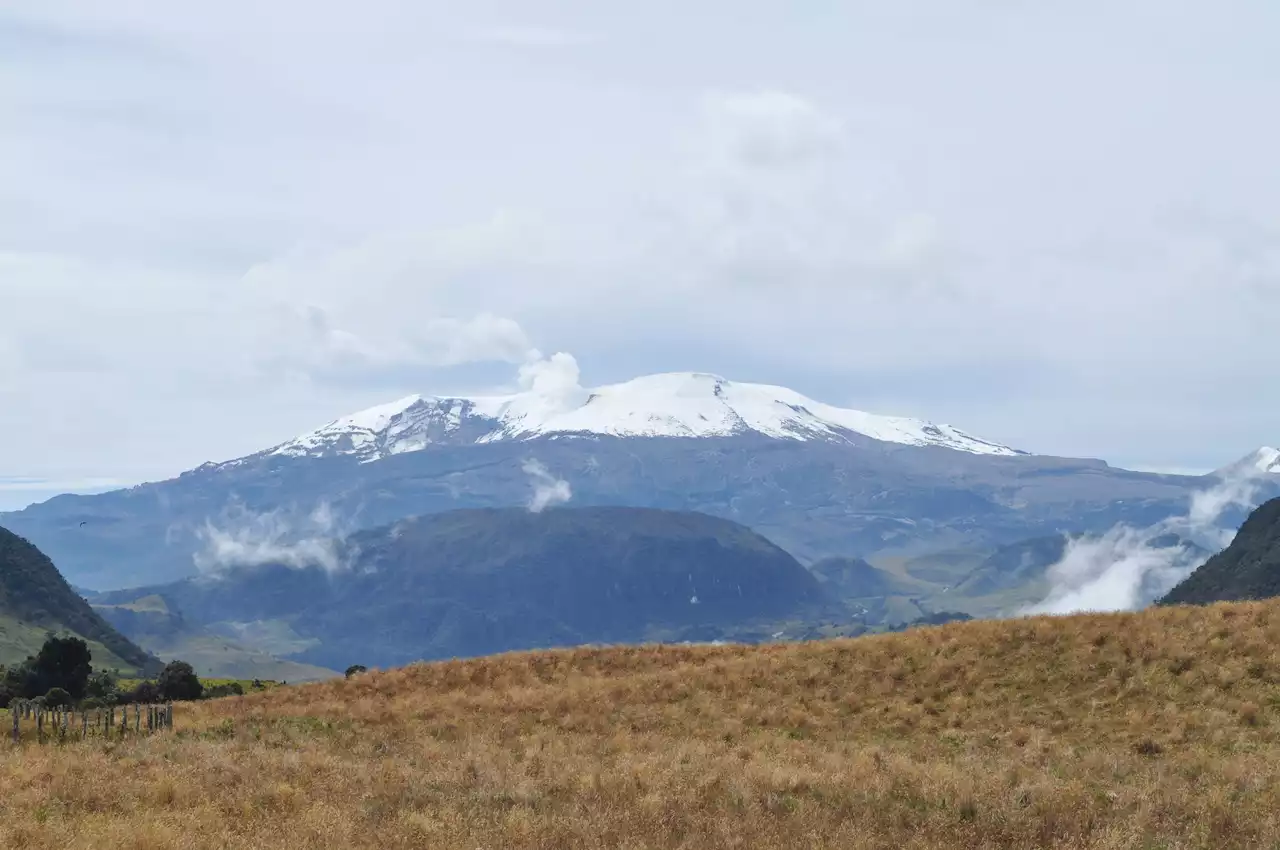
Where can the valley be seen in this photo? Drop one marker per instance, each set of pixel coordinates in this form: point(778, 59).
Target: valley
point(435, 528)
point(714, 426)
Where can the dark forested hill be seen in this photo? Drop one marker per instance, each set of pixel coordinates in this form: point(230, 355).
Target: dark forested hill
point(474, 582)
point(34, 597)
point(1247, 569)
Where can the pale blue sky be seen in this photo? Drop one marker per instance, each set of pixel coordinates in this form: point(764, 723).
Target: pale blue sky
point(1056, 225)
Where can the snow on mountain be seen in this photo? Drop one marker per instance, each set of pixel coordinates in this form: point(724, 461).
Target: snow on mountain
point(678, 404)
point(1265, 460)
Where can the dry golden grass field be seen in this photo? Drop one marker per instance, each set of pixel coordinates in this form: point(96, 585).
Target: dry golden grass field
point(1151, 730)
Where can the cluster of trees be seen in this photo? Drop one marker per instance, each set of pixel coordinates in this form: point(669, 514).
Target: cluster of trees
point(61, 674)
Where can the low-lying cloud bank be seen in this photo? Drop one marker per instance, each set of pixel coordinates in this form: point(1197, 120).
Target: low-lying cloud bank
point(1128, 568)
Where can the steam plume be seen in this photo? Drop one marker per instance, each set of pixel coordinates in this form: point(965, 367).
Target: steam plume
point(247, 539)
point(547, 489)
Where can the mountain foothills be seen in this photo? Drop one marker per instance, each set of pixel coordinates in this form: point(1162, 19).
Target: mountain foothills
point(476, 582)
point(36, 600)
point(818, 480)
point(1249, 568)
point(152, 624)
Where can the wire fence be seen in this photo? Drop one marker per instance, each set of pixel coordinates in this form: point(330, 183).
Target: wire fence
point(60, 724)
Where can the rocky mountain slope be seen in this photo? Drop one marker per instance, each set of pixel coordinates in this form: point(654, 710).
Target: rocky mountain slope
point(474, 582)
point(35, 599)
point(1247, 569)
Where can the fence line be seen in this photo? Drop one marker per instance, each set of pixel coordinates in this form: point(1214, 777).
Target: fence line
point(99, 722)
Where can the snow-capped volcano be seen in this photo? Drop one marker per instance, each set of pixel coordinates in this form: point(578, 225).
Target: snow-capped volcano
point(682, 404)
point(1263, 461)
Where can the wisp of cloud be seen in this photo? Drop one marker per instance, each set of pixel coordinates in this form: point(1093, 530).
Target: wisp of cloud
point(1127, 568)
point(547, 489)
point(248, 539)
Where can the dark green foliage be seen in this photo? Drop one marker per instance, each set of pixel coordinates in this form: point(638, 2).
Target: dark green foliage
point(63, 663)
point(33, 591)
point(144, 692)
point(178, 682)
point(1247, 569)
point(226, 689)
point(57, 698)
point(102, 685)
point(355, 670)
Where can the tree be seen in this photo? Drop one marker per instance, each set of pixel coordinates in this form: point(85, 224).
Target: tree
point(145, 692)
point(355, 670)
point(178, 681)
point(227, 689)
point(57, 698)
point(101, 685)
point(60, 663)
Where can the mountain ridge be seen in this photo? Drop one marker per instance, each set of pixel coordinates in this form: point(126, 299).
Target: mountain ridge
point(812, 498)
point(671, 404)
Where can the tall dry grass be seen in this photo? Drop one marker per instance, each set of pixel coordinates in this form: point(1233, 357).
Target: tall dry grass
point(1153, 730)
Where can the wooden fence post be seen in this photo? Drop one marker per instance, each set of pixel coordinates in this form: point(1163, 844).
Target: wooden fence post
point(39, 724)
point(84, 720)
point(137, 717)
point(17, 730)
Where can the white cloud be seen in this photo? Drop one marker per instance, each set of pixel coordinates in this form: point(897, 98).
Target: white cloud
point(534, 37)
point(243, 538)
point(770, 129)
point(548, 490)
point(234, 233)
point(1127, 568)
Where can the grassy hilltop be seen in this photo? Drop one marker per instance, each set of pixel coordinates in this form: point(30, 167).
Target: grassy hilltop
point(1152, 730)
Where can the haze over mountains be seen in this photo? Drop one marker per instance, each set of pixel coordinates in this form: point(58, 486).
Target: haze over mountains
point(475, 582)
point(818, 481)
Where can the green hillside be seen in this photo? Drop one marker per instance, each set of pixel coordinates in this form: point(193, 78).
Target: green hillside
point(35, 600)
point(1247, 569)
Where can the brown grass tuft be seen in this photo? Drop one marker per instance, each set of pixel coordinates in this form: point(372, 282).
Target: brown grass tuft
point(1109, 731)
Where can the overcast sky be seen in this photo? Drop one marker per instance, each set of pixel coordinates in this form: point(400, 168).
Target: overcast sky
point(1055, 225)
